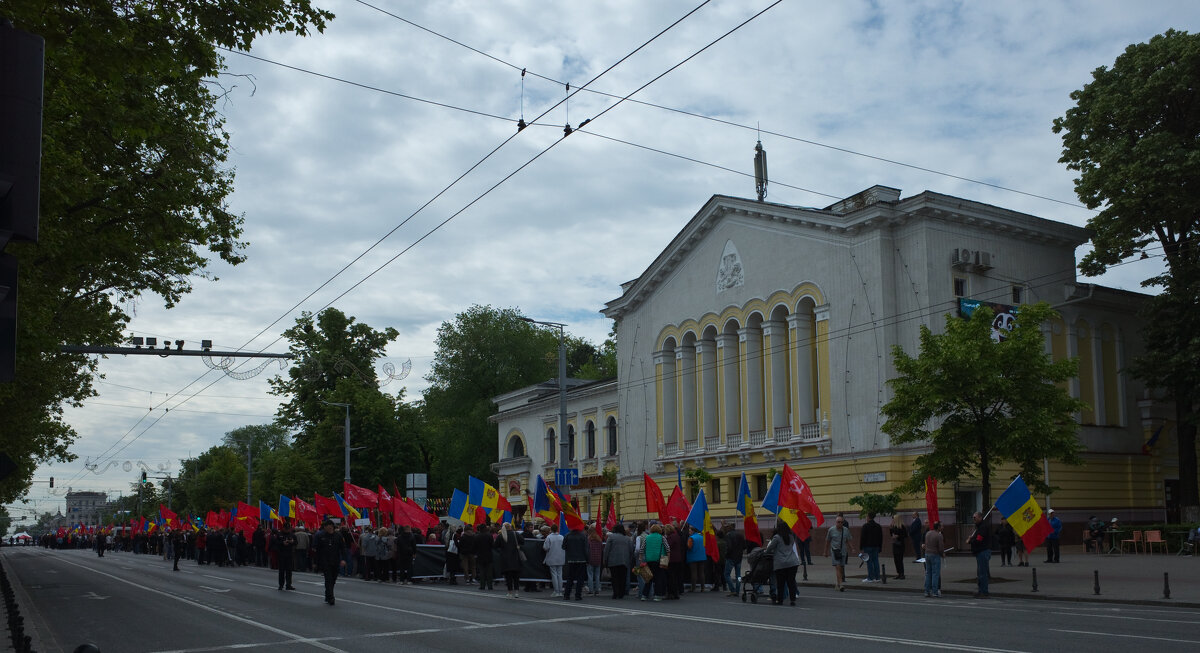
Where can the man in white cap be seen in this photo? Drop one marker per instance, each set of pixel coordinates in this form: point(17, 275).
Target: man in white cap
point(1052, 540)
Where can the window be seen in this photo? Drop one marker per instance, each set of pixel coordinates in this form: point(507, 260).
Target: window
point(570, 442)
point(714, 491)
point(960, 287)
point(611, 427)
point(516, 448)
point(1016, 295)
point(550, 445)
point(591, 439)
point(760, 486)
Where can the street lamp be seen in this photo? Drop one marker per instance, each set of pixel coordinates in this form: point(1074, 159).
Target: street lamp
point(346, 434)
point(563, 446)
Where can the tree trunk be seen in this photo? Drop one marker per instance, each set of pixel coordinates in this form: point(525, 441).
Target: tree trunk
point(1189, 493)
point(985, 473)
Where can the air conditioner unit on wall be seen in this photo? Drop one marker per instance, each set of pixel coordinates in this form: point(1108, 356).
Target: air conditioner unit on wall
point(970, 260)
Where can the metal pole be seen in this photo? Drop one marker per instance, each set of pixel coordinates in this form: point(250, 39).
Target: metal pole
point(564, 446)
point(248, 472)
point(347, 442)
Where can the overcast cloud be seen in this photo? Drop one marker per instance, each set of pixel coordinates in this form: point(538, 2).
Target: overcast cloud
point(324, 168)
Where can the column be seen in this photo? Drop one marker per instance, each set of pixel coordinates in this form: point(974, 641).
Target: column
point(664, 365)
point(685, 363)
point(750, 340)
point(706, 354)
point(803, 379)
point(731, 384)
point(1098, 402)
point(775, 339)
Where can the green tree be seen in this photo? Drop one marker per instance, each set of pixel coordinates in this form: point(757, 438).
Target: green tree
point(870, 503)
point(5, 521)
point(134, 186)
point(1132, 137)
point(980, 403)
point(335, 359)
point(214, 480)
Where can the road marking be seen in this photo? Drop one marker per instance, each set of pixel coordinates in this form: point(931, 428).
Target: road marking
point(378, 606)
point(93, 595)
point(1114, 616)
point(213, 589)
point(299, 639)
point(1159, 639)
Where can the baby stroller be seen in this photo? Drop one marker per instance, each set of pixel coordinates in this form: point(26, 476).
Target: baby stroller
point(759, 573)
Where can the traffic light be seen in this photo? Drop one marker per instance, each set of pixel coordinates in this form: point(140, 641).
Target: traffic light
point(22, 55)
point(143, 477)
point(51, 481)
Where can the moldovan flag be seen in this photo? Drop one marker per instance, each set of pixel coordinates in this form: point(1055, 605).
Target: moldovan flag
point(487, 497)
point(677, 506)
point(266, 512)
point(568, 516)
point(461, 508)
point(347, 510)
point(654, 499)
point(287, 507)
point(699, 519)
point(1017, 506)
point(541, 501)
point(745, 505)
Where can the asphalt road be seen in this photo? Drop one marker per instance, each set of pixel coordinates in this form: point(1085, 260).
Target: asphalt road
point(127, 603)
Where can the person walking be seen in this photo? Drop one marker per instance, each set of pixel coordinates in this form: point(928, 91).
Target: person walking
point(177, 546)
point(575, 544)
point(508, 545)
point(837, 546)
point(916, 534)
point(899, 536)
point(283, 543)
point(618, 557)
point(329, 549)
point(870, 542)
point(981, 548)
point(935, 550)
point(735, 548)
point(1053, 541)
point(554, 559)
point(782, 549)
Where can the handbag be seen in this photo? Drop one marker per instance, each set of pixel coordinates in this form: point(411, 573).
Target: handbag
point(665, 560)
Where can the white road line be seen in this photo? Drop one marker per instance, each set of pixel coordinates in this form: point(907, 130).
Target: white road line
point(376, 605)
point(299, 639)
point(1114, 616)
point(1096, 634)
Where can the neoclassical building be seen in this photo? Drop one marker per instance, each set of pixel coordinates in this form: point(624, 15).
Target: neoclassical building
point(762, 334)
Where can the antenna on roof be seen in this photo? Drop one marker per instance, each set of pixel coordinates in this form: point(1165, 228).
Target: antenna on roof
point(760, 171)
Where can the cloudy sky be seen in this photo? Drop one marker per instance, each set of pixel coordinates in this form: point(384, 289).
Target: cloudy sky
point(847, 94)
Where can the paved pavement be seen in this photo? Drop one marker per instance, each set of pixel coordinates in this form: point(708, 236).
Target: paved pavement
point(1123, 578)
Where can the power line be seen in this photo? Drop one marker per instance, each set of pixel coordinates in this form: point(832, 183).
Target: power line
point(754, 128)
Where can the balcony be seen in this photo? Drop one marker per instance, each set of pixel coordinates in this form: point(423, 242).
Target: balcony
point(810, 432)
point(690, 445)
point(670, 449)
point(712, 442)
point(758, 438)
point(783, 434)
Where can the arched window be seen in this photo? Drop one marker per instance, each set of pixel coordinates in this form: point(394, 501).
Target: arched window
point(570, 442)
point(591, 439)
point(550, 445)
point(516, 447)
point(611, 427)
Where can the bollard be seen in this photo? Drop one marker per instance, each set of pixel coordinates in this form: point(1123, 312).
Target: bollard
point(1166, 586)
point(1035, 579)
point(1096, 578)
point(883, 573)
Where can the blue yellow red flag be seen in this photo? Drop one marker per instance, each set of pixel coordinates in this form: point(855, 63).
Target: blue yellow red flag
point(266, 512)
point(461, 508)
point(348, 510)
point(745, 506)
point(795, 520)
point(542, 504)
point(1017, 506)
point(287, 507)
point(487, 497)
point(701, 520)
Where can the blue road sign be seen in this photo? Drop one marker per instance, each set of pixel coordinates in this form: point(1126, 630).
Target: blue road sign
point(566, 476)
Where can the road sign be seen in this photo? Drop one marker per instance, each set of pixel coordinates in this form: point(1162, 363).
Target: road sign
point(566, 476)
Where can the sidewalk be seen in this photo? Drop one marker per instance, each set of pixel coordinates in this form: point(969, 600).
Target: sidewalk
point(1124, 578)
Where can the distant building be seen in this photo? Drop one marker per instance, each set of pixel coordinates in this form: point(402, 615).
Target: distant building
point(763, 335)
point(87, 508)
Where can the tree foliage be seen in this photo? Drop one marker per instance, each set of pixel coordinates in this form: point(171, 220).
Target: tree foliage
point(1132, 137)
point(980, 403)
point(870, 503)
point(134, 186)
point(335, 359)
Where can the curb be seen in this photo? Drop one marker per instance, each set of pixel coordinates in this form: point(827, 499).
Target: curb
point(1010, 595)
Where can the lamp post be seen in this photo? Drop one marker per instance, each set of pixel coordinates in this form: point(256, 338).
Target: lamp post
point(563, 446)
point(346, 435)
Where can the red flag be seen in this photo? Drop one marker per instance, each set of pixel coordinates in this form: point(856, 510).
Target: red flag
point(931, 502)
point(307, 514)
point(326, 506)
point(796, 494)
point(359, 497)
point(481, 515)
point(428, 520)
point(654, 499)
point(224, 519)
point(678, 506)
point(385, 500)
point(612, 515)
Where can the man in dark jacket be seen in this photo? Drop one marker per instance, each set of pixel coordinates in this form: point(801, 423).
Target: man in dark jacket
point(576, 545)
point(283, 543)
point(259, 540)
point(916, 534)
point(329, 548)
point(735, 548)
point(981, 548)
point(406, 550)
point(870, 542)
